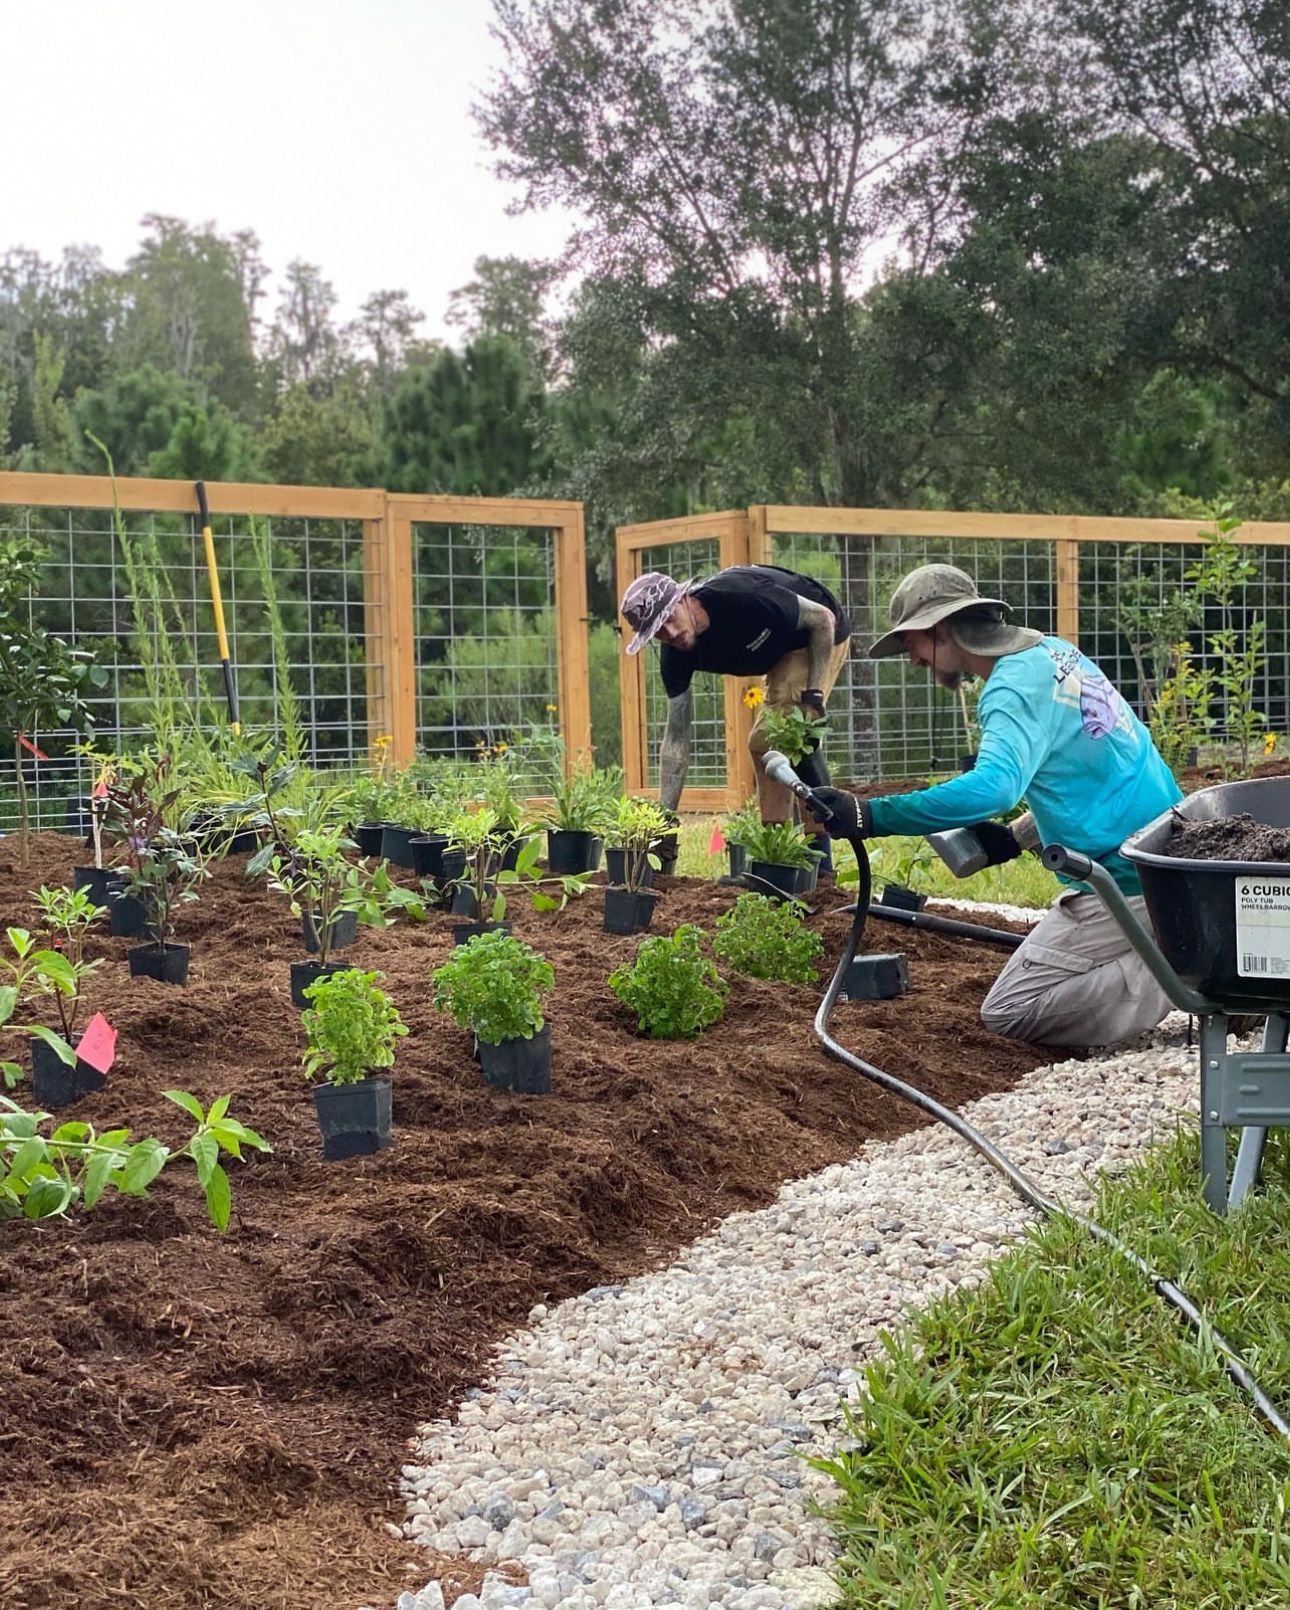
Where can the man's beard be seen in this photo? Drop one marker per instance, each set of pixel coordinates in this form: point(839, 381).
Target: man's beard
point(951, 681)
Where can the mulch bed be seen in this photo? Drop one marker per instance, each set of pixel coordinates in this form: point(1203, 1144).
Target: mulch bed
point(190, 1419)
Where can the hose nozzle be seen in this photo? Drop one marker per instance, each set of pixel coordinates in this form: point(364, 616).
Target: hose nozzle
point(779, 769)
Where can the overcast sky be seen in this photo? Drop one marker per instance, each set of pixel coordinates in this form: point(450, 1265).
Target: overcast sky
point(338, 130)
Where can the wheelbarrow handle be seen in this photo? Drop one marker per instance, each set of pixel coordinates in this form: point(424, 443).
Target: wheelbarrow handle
point(1081, 867)
point(1057, 858)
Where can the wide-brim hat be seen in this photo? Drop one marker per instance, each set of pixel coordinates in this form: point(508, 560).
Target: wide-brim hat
point(934, 593)
point(647, 603)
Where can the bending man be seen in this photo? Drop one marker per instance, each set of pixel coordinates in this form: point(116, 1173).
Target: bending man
point(749, 620)
point(1056, 733)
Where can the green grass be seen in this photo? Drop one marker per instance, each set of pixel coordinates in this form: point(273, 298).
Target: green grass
point(1058, 1438)
point(1022, 882)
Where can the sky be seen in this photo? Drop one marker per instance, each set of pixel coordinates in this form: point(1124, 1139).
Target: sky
point(338, 130)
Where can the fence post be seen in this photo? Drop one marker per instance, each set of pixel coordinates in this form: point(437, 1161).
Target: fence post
point(1067, 566)
point(388, 633)
point(572, 668)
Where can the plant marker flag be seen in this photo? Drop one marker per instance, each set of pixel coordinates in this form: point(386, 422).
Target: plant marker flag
point(716, 843)
point(27, 744)
point(217, 603)
point(97, 1045)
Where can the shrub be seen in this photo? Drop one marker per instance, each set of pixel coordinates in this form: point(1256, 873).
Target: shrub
point(767, 939)
point(672, 987)
point(494, 985)
point(352, 1026)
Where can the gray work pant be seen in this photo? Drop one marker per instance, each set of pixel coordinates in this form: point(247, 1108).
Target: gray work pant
point(1076, 980)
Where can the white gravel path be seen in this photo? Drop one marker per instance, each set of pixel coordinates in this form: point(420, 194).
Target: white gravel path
point(640, 1445)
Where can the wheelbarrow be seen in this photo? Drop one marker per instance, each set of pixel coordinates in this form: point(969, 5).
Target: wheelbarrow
point(1221, 946)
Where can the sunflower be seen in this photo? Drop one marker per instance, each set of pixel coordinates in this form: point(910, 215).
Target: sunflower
point(754, 697)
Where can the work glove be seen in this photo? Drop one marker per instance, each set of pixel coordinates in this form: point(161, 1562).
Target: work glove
point(851, 817)
point(997, 841)
point(812, 702)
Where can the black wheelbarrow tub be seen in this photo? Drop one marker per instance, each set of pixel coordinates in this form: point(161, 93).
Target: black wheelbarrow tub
point(1223, 926)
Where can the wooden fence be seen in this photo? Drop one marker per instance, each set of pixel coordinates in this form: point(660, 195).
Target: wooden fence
point(1068, 599)
point(393, 536)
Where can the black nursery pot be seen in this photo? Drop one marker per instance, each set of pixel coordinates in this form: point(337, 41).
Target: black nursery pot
point(616, 869)
point(900, 898)
point(738, 860)
point(54, 1083)
point(628, 911)
point(786, 882)
point(568, 850)
point(464, 903)
point(451, 869)
point(523, 1066)
point(396, 844)
point(96, 880)
point(511, 854)
point(368, 836)
point(344, 931)
point(168, 964)
point(355, 1120)
point(127, 917)
point(667, 848)
point(427, 854)
point(303, 974)
point(464, 932)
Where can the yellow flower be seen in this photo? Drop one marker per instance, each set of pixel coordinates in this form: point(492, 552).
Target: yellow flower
point(384, 741)
point(754, 696)
point(500, 748)
point(551, 709)
point(1269, 743)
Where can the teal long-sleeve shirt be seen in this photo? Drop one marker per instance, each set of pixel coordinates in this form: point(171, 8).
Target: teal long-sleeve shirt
point(1056, 733)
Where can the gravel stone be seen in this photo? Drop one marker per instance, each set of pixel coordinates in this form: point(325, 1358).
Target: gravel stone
point(640, 1447)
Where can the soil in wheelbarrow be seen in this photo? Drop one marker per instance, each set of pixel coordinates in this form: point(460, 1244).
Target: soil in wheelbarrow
point(1229, 838)
point(190, 1419)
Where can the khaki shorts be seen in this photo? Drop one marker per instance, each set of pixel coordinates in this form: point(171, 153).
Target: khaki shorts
point(786, 683)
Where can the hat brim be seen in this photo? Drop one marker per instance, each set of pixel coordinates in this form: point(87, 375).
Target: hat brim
point(924, 619)
point(647, 634)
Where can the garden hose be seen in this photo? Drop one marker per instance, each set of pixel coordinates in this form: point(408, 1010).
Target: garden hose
point(1020, 1183)
point(217, 604)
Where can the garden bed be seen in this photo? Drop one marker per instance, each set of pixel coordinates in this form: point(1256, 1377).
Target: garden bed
point(194, 1419)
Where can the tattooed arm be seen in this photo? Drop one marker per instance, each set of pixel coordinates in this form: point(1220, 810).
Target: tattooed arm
point(674, 755)
point(821, 623)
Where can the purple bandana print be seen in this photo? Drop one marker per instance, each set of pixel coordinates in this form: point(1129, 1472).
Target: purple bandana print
point(1099, 706)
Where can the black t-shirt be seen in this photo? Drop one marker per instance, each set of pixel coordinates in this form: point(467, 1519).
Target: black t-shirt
point(752, 615)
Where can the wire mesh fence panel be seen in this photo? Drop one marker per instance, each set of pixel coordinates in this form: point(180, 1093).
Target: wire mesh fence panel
point(144, 612)
point(687, 561)
point(1138, 602)
point(484, 619)
point(886, 717)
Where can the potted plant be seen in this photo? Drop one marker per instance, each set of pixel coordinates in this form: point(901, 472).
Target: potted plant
point(899, 893)
point(672, 987)
point(738, 827)
point(328, 893)
point(33, 972)
point(139, 798)
point(629, 901)
point(408, 813)
point(581, 810)
point(169, 869)
point(97, 878)
point(351, 1025)
point(372, 797)
point(471, 864)
point(494, 986)
point(499, 797)
point(67, 915)
point(780, 859)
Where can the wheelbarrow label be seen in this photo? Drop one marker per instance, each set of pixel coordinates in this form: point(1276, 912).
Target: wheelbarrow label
point(1263, 927)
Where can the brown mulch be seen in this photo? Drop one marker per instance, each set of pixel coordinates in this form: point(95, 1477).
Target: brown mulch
point(189, 1419)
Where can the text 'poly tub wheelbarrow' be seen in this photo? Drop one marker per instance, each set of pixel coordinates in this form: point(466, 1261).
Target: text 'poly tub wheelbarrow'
point(1221, 946)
